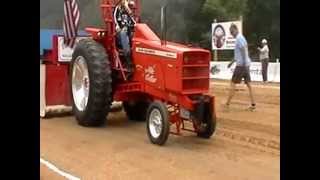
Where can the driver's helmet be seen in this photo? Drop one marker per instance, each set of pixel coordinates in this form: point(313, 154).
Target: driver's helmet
point(264, 41)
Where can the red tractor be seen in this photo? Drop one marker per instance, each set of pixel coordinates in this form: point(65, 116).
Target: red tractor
point(169, 85)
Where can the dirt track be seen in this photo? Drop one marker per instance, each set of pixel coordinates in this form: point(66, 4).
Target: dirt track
point(246, 145)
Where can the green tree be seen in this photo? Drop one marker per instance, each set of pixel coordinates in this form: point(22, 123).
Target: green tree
point(262, 20)
point(189, 21)
point(221, 10)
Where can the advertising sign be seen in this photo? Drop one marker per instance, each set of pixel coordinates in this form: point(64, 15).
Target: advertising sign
point(221, 37)
point(220, 70)
point(65, 52)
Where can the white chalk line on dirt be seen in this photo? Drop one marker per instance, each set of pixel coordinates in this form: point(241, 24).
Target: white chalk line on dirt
point(253, 85)
point(57, 170)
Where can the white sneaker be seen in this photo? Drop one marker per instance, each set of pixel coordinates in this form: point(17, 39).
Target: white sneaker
point(252, 108)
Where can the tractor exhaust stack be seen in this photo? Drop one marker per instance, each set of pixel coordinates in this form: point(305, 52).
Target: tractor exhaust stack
point(164, 24)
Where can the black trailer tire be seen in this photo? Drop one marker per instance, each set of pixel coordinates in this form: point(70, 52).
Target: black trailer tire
point(158, 136)
point(136, 111)
point(99, 90)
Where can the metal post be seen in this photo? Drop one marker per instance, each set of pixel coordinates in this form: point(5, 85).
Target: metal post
point(215, 56)
point(241, 21)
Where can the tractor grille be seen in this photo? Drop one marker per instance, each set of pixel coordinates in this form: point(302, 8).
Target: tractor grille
point(195, 72)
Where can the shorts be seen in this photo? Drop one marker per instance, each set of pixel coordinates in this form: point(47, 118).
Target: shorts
point(241, 72)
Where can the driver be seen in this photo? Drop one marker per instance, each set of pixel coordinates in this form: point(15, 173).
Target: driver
point(123, 18)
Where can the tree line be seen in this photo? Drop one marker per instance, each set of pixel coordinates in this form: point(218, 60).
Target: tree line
point(189, 21)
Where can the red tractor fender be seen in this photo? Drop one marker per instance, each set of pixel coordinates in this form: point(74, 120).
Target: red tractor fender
point(96, 33)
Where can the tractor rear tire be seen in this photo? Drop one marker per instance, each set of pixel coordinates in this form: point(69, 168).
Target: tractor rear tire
point(136, 111)
point(99, 90)
point(158, 123)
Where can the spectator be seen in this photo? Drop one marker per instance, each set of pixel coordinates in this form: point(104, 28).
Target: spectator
point(264, 58)
point(242, 71)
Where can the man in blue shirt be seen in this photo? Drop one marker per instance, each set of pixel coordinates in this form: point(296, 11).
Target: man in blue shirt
point(242, 71)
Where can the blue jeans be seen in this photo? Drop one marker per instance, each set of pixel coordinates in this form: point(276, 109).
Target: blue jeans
point(124, 41)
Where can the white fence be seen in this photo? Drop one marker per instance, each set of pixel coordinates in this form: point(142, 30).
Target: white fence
point(219, 70)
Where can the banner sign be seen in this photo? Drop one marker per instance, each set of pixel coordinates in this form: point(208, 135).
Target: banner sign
point(65, 52)
point(221, 37)
point(220, 70)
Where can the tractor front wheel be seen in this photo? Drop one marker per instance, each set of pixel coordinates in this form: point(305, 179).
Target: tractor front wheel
point(90, 83)
point(208, 123)
point(158, 126)
point(208, 129)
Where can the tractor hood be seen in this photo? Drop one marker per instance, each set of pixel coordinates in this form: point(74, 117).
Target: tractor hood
point(146, 37)
point(186, 67)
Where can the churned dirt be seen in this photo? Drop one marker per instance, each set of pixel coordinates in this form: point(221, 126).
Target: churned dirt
point(246, 145)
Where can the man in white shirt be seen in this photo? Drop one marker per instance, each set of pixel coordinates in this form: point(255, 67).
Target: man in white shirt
point(264, 58)
point(242, 70)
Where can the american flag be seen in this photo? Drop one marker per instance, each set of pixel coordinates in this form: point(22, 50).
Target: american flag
point(70, 22)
